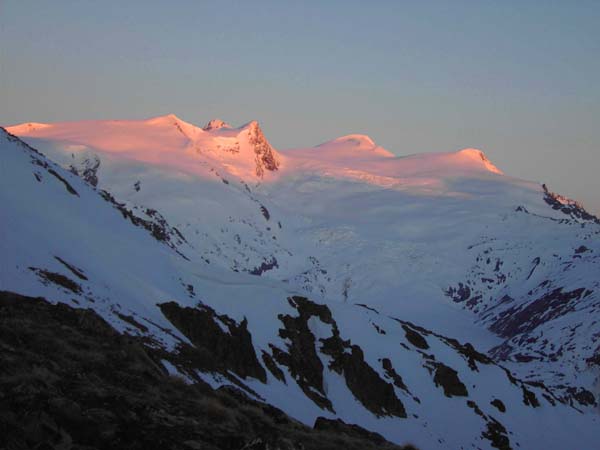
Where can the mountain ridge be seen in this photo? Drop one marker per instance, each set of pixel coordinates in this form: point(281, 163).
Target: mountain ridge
point(254, 157)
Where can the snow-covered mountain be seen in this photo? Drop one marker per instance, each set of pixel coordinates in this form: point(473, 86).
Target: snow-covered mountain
point(337, 281)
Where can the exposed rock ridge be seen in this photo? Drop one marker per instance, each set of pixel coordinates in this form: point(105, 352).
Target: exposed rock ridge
point(266, 158)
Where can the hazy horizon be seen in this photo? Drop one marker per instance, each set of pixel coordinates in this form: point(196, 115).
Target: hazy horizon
point(517, 80)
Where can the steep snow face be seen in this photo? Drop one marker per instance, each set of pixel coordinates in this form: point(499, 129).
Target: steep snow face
point(53, 223)
point(64, 240)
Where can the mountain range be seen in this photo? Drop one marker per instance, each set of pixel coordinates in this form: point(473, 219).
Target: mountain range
point(428, 298)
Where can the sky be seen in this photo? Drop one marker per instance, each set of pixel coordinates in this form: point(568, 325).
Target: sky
point(518, 79)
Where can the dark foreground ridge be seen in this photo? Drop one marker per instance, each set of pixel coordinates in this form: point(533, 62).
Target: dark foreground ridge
point(68, 380)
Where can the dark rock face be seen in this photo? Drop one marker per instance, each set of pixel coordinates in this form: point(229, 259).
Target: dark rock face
point(156, 225)
point(367, 386)
point(88, 170)
point(68, 381)
point(497, 435)
point(301, 357)
point(265, 266)
point(273, 367)
point(56, 278)
point(231, 351)
point(582, 396)
point(216, 124)
point(459, 294)
point(74, 270)
point(498, 405)
point(415, 335)
point(266, 158)
point(391, 373)
point(535, 263)
point(265, 212)
point(469, 353)
point(495, 432)
point(415, 338)
point(567, 206)
point(376, 394)
point(529, 397)
point(67, 185)
point(517, 320)
point(447, 377)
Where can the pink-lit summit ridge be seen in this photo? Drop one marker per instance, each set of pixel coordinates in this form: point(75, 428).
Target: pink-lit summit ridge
point(167, 141)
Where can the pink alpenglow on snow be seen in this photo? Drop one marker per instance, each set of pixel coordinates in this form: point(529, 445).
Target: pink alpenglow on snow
point(171, 143)
point(165, 141)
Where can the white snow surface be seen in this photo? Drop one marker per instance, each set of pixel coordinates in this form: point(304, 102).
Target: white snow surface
point(344, 223)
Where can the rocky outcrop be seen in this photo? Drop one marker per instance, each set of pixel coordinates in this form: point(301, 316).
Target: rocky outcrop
point(520, 319)
point(155, 223)
point(367, 386)
point(300, 356)
point(365, 383)
point(48, 277)
point(266, 265)
point(447, 378)
point(216, 124)
point(391, 373)
point(266, 158)
point(87, 169)
point(459, 294)
point(567, 206)
point(69, 381)
point(415, 338)
point(231, 350)
point(494, 432)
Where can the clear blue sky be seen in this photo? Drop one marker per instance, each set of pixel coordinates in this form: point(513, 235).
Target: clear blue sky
point(518, 79)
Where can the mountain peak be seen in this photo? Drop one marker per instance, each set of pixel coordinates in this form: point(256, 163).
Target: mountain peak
point(216, 124)
point(357, 140)
point(167, 118)
point(479, 156)
point(27, 128)
point(266, 156)
point(354, 145)
point(251, 126)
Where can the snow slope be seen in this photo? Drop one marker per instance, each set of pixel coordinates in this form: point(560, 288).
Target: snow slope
point(438, 240)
